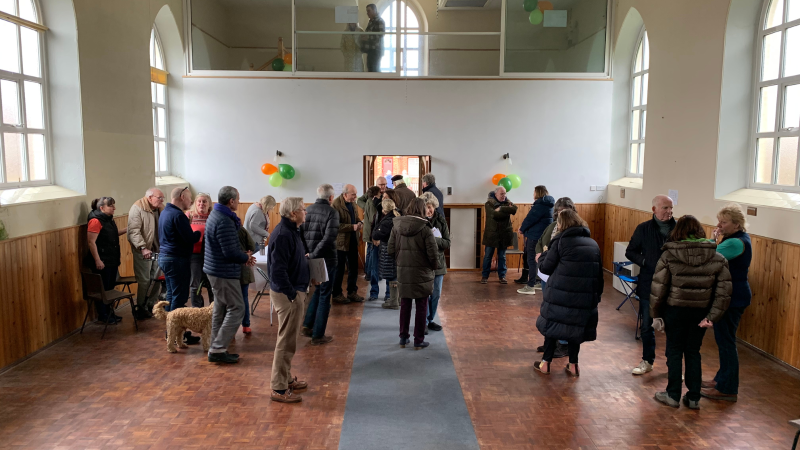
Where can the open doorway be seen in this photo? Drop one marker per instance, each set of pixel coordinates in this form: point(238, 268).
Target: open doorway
point(412, 167)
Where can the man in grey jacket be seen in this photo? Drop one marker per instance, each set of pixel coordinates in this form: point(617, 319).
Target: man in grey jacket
point(319, 231)
point(143, 237)
point(223, 265)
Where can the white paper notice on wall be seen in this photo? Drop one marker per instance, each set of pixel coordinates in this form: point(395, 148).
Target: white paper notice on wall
point(347, 14)
point(338, 188)
point(673, 194)
point(555, 19)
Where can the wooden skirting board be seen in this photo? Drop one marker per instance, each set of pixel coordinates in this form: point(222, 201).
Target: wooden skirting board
point(41, 298)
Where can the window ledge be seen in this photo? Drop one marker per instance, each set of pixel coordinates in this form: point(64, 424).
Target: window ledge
point(169, 180)
point(37, 194)
point(770, 199)
point(628, 182)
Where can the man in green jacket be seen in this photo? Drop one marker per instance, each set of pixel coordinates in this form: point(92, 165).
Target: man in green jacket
point(497, 233)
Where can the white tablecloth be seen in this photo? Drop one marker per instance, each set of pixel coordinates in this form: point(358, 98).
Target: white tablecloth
point(261, 263)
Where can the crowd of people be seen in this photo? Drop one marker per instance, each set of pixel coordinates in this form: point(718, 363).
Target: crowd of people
point(686, 282)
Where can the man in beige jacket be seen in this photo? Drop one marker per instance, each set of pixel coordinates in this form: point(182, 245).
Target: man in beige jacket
point(143, 236)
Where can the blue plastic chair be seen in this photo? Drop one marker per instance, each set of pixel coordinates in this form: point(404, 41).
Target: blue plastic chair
point(627, 280)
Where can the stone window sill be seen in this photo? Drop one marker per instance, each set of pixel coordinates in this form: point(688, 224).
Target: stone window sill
point(37, 194)
point(770, 199)
point(169, 180)
point(628, 183)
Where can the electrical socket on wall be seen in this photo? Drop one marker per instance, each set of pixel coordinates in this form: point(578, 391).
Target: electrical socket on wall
point(621, 192)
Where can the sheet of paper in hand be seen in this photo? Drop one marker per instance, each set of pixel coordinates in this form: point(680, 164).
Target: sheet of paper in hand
point(436, 232)
point(319, 272)
point(542, 276)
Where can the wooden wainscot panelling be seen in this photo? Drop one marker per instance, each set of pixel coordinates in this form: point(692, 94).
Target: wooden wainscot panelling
point(772, 321)
point(41, 298)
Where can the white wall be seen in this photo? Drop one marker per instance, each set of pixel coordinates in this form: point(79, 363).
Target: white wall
point(556, 131)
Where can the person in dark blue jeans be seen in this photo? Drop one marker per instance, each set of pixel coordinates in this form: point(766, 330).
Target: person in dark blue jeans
point(538, 219)
point(734, 244)
point(644, 250)
point(319, 231)
point(176, 243)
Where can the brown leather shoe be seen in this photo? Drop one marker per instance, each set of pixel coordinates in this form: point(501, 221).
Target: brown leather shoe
point(296, 385)
point(288, 397)
point(306, 331)
point(542, 366)
point(322, 340)
point(714, 394)
point(710, 384)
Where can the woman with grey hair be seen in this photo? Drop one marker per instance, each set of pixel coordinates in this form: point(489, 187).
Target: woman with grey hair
point(256, 221)
point(441, 232)
point(288, 282)
point(380, 237)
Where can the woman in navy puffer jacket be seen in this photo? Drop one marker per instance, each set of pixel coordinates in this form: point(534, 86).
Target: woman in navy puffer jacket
point(569, 309)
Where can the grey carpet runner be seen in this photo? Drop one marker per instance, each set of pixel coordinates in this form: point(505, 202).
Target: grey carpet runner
point(403, 398)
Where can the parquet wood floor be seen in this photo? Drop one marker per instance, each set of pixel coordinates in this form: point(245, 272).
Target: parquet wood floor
point(127, 392)
point(492, 337)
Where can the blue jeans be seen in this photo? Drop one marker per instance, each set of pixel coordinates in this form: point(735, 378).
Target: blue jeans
point(530, 248)
point(727, 377)
point(177, 274)
point(372, 262)
point(320, 305)
point(246, 319)
point(433, 300)
point(501, 262)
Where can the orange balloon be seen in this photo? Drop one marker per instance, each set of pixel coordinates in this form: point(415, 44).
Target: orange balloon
point(544, 5)
point(496, 179)
point(288, 58)
point(268, 169)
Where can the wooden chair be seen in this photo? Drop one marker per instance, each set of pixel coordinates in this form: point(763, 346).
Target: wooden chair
point(93, 291)
point(264, 292)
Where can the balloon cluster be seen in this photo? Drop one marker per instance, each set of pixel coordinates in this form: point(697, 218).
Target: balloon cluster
point(282, 64)
point(509, 181)
point(537, 9)
point(277, 174)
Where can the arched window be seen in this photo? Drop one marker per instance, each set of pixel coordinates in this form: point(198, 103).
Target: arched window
point(411, 54)
point(158, 91)
point(638, 121)
point(24, 132)
point(777, 94)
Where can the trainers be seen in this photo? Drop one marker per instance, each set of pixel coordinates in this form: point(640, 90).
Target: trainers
point(527, 290)
point(222, 358)
point(341, 300)
point(287, 397)
point(354, 297)
point(503, 281)
point(484, 280)
point(421, 345)
point(306, 331)
point(247, 330)
point(664, 398)
point(322, 340)
point(388, 305)
point(434, 326)
point(642, 368)
point(691, 404)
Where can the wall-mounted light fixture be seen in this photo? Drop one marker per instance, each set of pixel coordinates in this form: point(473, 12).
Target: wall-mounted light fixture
point(508, 157)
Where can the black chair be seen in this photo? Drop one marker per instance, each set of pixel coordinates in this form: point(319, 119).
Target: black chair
point(264, 292)
point(796, 424)
point(628, 280)
point(93, 291)
point(125, 282)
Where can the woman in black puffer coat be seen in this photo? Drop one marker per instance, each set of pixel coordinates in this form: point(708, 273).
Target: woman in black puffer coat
point(387, 268)
point(569, 309)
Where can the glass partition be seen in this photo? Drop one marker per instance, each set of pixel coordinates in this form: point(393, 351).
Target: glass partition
point(557, 36)
point(463, 55)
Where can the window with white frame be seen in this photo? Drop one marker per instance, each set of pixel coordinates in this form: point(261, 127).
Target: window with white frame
point(24, 138)
point(638, 119)
point(410, 41)
point(777, 98)
point(158, 92)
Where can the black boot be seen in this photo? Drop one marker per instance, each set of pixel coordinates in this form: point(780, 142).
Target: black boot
point(524, 278)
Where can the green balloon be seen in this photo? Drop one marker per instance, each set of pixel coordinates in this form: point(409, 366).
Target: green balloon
point(407, 180)
point(536, 17)
point(275, 179)
point(286, 171)
point(278, 65)
point(287, 68)
point(506, 183)
point(530, 5)
point(516, 181)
